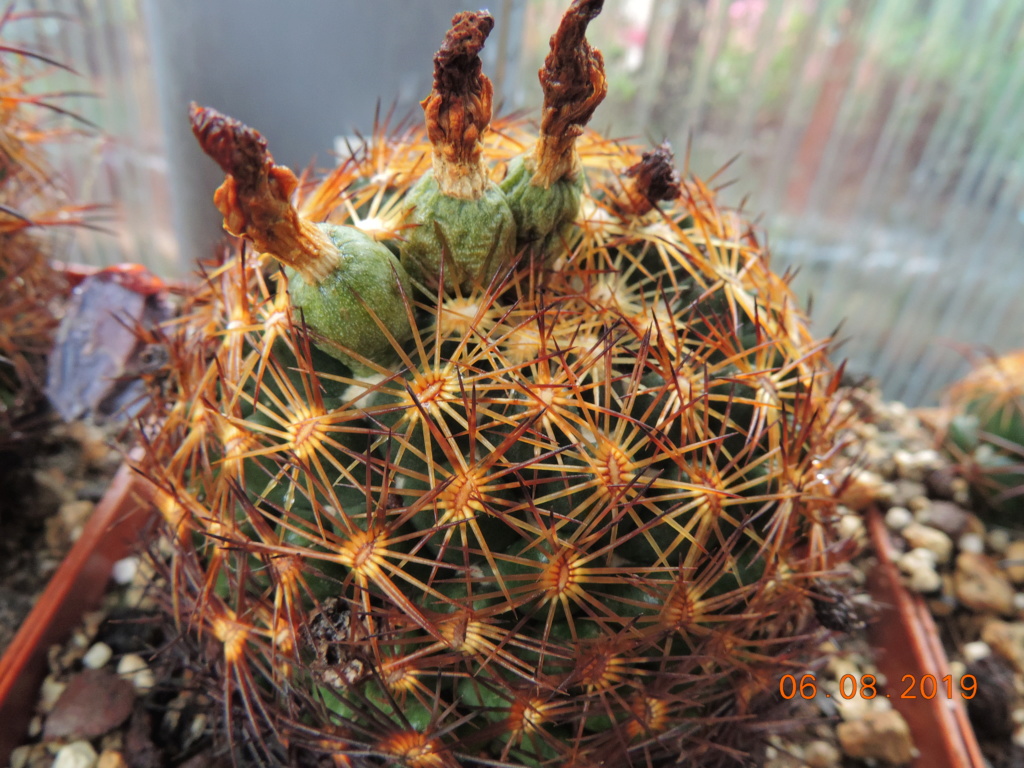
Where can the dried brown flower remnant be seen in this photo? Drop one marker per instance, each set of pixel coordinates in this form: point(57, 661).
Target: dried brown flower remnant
point(653, 179)
point(254, 198)
point(458, 108)
point(573, 82)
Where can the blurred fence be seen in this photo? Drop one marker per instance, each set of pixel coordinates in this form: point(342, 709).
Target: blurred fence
point(116, 156)
point(879, 141)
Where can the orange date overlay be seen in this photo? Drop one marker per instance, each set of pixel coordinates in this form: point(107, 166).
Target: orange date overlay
point(866, 687)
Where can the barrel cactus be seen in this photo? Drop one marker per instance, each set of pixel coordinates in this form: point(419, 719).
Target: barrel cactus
point(984, 430)
point(565, 503)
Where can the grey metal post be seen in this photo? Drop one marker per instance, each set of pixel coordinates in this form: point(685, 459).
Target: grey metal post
point(302, 72)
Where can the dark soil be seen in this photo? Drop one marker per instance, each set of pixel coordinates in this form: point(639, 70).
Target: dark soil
point(49, 482)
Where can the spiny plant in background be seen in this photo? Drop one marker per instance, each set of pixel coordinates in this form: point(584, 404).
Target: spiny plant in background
point(510, 448)
point(984, 431)
point(32, 203)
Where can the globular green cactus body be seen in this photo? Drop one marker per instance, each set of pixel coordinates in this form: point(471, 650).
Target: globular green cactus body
point(577, 519)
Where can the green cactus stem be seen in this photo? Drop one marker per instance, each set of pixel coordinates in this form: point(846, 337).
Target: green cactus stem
point(463, 225)
point(351, 289)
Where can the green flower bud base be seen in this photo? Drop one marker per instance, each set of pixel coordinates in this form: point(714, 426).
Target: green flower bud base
point(540, 212)
point(360, 308)
point(468, 240)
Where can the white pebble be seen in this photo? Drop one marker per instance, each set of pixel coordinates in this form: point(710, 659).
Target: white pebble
point(971, 542)
point(932, 539)
point(906, 465)
point(898, 518)
point(925, 580)
point(851, 527)
point(1018, 736)
point(821, 754)
point(885, 492)
point(1018, 602)
point(198, 727)
point(961, 491)
point(20, 755)
point(124, 570)
point(852, 709)
point(49, 692)
point(133, 668)
point(897, 409)
point(867, 433)
point(97, 656)
point(976, 651)
point(77, 754)
point(919, 565)
point(919, 557)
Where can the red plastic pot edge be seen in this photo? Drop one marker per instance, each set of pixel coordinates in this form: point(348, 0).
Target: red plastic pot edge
point(111, 534)
point(909, 641)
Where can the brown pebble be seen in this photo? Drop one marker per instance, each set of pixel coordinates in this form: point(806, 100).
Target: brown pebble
point(1014, 561)
point(880, 735)
point(950, 518)
point(53, 488)
point(981, 586)
point(860, 490)
point(94, 702)
point(1006, 639)
point(111, 759)
point(821, 754)
point(991, 707)
point(139, 745)
point(940, 483)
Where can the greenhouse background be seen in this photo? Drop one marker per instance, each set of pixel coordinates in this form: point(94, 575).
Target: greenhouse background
point(878, 142)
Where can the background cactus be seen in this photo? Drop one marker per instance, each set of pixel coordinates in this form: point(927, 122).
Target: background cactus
point(984, 429)
point(579, 517)
point(33, 206)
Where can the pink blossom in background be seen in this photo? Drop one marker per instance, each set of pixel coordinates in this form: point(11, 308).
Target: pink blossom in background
point(749, 11)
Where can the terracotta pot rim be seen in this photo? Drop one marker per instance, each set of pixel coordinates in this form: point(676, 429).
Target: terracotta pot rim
point(905, 633)
point(111, 534)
